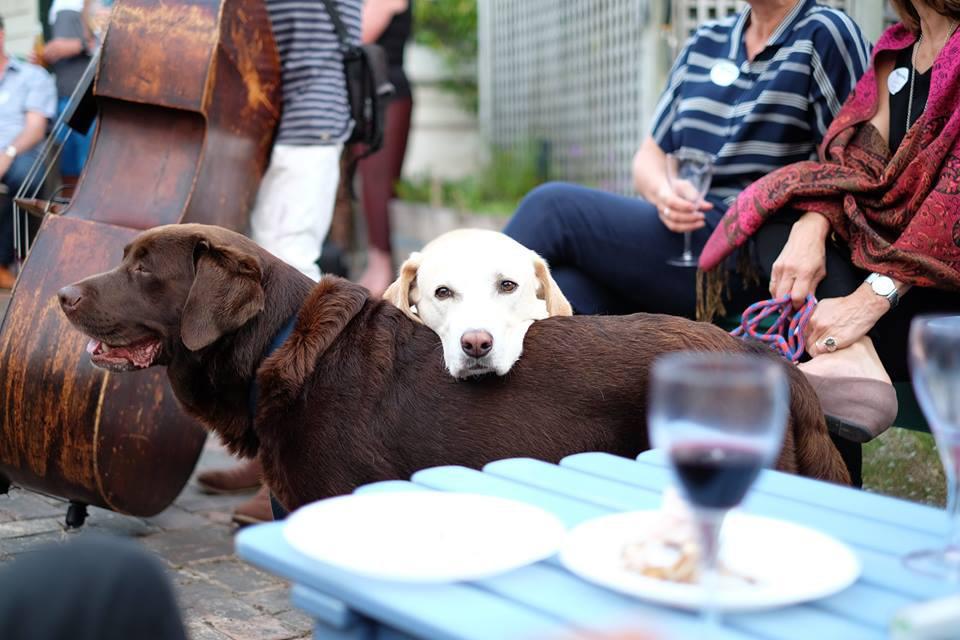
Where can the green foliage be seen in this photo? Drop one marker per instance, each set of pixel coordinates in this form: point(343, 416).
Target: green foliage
point(496, 189)
point(450, 28)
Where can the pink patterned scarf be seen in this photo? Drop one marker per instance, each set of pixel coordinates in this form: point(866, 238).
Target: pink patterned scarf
point(900, 215)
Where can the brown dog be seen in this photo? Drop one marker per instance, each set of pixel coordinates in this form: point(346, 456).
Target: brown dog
point(358, 392)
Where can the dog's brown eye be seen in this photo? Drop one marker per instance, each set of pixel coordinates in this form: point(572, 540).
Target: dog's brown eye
point(442, 293)
point(508, 286)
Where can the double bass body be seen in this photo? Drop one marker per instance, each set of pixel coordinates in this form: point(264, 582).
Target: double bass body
point(188, 100)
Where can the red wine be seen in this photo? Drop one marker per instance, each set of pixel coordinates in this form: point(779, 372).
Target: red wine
point(716, 476)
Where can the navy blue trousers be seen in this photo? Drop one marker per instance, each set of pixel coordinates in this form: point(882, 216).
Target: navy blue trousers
point(608, 252)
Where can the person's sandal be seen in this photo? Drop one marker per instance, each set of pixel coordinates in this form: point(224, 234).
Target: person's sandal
point(858, 409)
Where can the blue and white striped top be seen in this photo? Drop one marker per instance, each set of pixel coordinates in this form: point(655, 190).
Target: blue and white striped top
point(315, 109)
point(778, 109)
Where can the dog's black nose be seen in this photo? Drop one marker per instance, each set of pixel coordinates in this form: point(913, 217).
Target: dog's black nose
point(70, 296)
point(476, 343)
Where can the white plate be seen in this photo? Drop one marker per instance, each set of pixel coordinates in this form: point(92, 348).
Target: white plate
point(424, 536)
point(790, 563)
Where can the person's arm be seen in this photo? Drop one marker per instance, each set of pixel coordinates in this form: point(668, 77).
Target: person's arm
point(68, 37)
point(650, 181)
point(650, 162)
point(34, 129)
point(377, 14)
point(840, 57)
point(849, 318)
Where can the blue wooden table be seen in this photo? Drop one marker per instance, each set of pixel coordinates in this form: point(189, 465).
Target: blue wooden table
point(546, 601)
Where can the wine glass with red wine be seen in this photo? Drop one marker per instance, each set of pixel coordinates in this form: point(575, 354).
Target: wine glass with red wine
point(721, 418)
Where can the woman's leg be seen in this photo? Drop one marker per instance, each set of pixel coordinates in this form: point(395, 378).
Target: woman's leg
point(609, 251)
point(379, 172)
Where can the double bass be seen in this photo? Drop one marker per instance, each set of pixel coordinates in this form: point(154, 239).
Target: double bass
point(187, 94)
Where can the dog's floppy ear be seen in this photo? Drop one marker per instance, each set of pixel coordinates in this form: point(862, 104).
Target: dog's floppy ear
point(398, 293)
point(225, 295)
point(549, 291)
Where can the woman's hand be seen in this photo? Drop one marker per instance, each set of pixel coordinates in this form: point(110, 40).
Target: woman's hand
point(677, 213)
point(802, 262)
point(845, 319)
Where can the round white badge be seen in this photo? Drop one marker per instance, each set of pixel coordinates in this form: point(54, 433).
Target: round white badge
point(724, 73)
point(897, 80)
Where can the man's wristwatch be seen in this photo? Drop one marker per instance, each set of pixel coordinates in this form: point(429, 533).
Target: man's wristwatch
point(10, 151)
point(884, 286)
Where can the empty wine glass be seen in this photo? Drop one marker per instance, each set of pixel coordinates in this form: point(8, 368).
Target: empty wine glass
point(935, 371)
point(721, 419)
point(689, 172)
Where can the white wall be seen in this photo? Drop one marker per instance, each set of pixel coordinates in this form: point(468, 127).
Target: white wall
point(21, 23)
point(444, 137)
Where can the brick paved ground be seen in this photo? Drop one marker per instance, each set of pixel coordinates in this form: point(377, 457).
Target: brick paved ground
point(220, 596)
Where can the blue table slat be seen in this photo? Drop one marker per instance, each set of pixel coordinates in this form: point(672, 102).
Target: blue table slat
point(430, 611)
point(332, 612)
point(570, 511)
point(902, 513)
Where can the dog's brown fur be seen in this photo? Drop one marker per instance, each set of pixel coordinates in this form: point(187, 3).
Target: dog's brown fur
point(358, 392)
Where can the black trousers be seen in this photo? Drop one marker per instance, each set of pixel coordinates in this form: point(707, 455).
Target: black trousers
point(99, 588)
point(889, 335)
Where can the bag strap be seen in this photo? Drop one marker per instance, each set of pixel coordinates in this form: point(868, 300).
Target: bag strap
point(786, 333)
point(338, 26)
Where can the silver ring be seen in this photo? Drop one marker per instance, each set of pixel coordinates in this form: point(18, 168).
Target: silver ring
point(666, 212)
point(830, 344)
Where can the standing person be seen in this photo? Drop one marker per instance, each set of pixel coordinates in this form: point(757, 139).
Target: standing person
point(757, 91)
point(67, 56)
point(293, 210)
point(388, 23)
point(28, 99)
point(294, 207)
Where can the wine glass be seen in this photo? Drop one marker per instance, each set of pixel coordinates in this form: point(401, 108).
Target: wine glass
point(689, 172)
point(935, 371)
point(721, 419)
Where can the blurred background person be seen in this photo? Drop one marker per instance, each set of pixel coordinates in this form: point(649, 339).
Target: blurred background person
point(66, 55)
point(28, 99)
point(389, 24)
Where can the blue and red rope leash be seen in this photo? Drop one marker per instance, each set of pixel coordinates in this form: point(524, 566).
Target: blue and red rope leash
point(786, 333)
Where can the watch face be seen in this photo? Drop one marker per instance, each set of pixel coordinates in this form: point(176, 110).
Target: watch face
point(883, 286)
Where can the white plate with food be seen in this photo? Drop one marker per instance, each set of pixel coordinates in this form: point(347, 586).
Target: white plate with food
point(764, 562)
point(424, 536)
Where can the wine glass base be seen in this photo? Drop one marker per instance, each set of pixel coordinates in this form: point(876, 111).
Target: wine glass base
point(937, 563)
point(682, 261)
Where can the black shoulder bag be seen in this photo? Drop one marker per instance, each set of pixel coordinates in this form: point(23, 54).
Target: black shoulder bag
point(368, 89)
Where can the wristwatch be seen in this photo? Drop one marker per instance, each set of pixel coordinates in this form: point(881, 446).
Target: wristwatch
point(884, 286)
point(10, 151)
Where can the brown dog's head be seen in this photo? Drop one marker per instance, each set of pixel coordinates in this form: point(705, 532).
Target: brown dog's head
point(178, 286)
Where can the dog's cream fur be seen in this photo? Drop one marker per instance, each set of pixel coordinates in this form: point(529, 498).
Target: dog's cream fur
point(459, 283)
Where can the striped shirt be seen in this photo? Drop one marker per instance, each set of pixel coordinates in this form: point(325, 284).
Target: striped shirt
point(315, 108)
point(778, 109)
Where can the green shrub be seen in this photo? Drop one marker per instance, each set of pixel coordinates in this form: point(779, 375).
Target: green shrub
point(450, 28)
point(496, 189)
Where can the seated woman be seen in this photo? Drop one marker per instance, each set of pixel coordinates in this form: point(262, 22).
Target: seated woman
point(757, 91)
point(877, 217)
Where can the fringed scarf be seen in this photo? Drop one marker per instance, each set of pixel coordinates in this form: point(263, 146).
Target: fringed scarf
point(899, 215)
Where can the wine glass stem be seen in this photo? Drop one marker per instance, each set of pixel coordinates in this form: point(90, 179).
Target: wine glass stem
point(687, 250)
point(952, 550)
point(709, 522)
